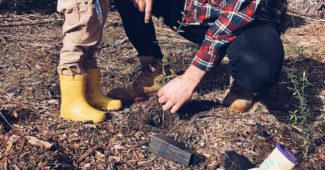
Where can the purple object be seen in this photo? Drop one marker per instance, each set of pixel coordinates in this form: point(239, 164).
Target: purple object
point(287, 154)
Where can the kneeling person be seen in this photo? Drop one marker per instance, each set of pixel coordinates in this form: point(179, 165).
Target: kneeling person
point(247, 31)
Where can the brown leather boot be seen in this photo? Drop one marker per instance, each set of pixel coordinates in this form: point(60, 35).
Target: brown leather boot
point(148, 78)
point(238, 99)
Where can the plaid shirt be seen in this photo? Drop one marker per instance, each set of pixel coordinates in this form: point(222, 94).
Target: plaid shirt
point(224, 18)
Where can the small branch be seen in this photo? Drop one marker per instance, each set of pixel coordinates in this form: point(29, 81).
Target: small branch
point(48, 45)
point(24, 18)
point(163, 120)
point(297, 128)
point(305, 17)
point(32, 23)
point(6, 120)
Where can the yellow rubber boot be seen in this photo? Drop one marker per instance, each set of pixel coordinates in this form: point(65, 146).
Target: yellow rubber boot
point(95, 95)
point(73, 100)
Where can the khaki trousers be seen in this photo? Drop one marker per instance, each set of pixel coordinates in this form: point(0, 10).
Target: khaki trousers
point(82, 31)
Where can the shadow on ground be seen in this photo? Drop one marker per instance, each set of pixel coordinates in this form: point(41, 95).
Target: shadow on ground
point(32, 6)
point(28, 6)
point(233, 160)
point(281, 101)
point(294, 21)
point(10, 117)
point(195, 107)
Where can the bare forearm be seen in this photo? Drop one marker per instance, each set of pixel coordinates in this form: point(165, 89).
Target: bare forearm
point(194, 75)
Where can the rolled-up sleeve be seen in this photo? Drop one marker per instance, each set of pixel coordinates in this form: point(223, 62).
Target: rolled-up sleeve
point(233, 16)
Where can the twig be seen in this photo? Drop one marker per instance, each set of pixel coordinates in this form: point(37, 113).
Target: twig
point(2, 39)
point(57, 15)
point(24, 18)
point(49, 45)
point(305, 17)
point(87, 153)
point(163, 120)
point(297, 128)
point(252, 152)
point(6, 120)
point(33, 23)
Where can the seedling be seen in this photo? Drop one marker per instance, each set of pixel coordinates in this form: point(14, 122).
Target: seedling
point(168, 77)
point(301, 115)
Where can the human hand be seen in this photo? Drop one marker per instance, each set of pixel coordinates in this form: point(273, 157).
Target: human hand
point(144, 6)
point(178, 91)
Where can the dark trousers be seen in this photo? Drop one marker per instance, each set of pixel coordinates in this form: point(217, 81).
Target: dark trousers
point(255, 56)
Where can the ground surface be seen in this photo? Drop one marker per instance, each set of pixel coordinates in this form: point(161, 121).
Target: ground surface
point(29, 101)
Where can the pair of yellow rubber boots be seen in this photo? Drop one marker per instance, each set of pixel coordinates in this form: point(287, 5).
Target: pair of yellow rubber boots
point(82, 98)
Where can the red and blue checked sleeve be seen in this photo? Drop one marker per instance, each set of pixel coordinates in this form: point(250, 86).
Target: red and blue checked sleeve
point(233, 15)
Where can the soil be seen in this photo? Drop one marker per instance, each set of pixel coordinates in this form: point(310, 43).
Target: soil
point(311, 8)
point(30, 100)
